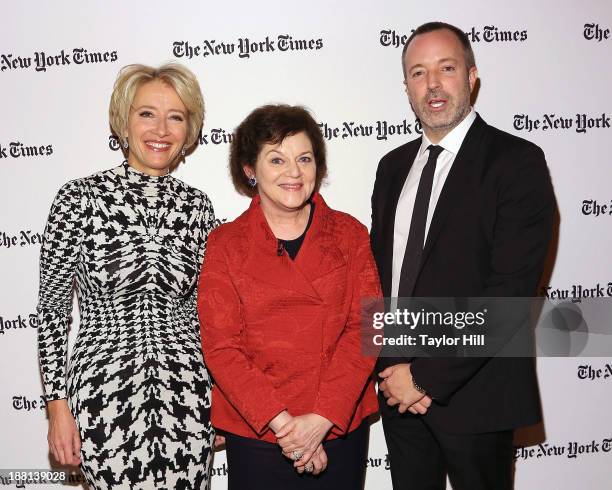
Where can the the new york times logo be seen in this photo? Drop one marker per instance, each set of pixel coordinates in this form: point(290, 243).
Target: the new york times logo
point(578, 291)
point(244, 47)
point(19, 323)
point(219, 470)
point(378, 462)
point(381, 129)
point(591, 373)
point(591, 207)
point(593, 32)
point(27, 404)
point(581, 123)
point(22, 239)
point(41, 61)
point(570, 450)
point(216, 136)
point(488, 34)
point(16, 149)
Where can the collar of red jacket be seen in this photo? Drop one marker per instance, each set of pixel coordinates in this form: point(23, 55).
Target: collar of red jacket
point(319, 253)
point(261, 229)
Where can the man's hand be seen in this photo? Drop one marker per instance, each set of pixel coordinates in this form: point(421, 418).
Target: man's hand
point(398, 388)
point(303, 434)
point(419, 407)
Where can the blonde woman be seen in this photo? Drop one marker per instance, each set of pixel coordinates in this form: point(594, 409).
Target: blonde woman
point(131, 406)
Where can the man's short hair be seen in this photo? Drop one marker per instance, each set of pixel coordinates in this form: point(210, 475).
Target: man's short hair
point(468, 53)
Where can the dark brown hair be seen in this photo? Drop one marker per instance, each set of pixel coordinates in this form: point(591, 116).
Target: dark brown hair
point(468, 53)
point(271, 124)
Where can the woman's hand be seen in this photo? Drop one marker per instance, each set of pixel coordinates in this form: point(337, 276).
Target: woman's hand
point(316, 464)
point(278, 422)
point(64, 440)
point(219, 441)
point(302, 436)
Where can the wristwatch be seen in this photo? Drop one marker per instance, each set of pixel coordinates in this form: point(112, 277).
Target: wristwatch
point(418, 388)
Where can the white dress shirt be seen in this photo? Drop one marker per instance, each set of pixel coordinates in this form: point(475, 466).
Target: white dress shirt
point(405, 205)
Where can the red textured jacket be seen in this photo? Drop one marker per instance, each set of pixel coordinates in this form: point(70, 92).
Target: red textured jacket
point(281, 334)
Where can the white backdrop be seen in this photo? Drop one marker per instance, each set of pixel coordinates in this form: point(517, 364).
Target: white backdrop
point(544, 69)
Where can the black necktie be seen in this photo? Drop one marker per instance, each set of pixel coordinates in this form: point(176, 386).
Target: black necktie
point(416, 236)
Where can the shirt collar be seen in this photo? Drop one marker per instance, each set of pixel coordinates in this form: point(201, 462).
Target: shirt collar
point(453, 140)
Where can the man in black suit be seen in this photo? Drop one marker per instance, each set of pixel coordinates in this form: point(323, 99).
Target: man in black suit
point(464, 211)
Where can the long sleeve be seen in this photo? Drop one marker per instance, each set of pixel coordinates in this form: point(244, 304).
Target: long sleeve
point(522, 234)
point(349, 370)
point(241, 381)
point(205, 223)
point(59, 258)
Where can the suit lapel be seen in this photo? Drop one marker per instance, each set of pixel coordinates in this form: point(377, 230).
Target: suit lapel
point(455, 183)
point(397, 179)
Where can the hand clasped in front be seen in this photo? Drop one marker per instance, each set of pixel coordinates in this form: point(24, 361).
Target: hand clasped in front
point(301, 441)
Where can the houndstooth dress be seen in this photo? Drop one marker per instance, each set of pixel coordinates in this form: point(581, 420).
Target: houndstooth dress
point(136, 381)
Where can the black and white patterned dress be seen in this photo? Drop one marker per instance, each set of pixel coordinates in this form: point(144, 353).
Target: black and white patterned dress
point(136, 381)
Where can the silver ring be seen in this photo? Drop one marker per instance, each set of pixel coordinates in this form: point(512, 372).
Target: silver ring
point(296, 455)
point(309, 468)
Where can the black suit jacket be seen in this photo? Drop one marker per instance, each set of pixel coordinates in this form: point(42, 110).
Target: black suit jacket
point(488, 238)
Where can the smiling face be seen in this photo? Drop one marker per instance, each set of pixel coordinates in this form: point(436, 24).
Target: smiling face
point(157, 128)
point(438, 82)
point(285, 173)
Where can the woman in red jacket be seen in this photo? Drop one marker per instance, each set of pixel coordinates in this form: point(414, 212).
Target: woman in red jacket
point(280, 301)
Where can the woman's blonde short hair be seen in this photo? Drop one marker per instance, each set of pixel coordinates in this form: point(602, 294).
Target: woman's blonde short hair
point(181, 79)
